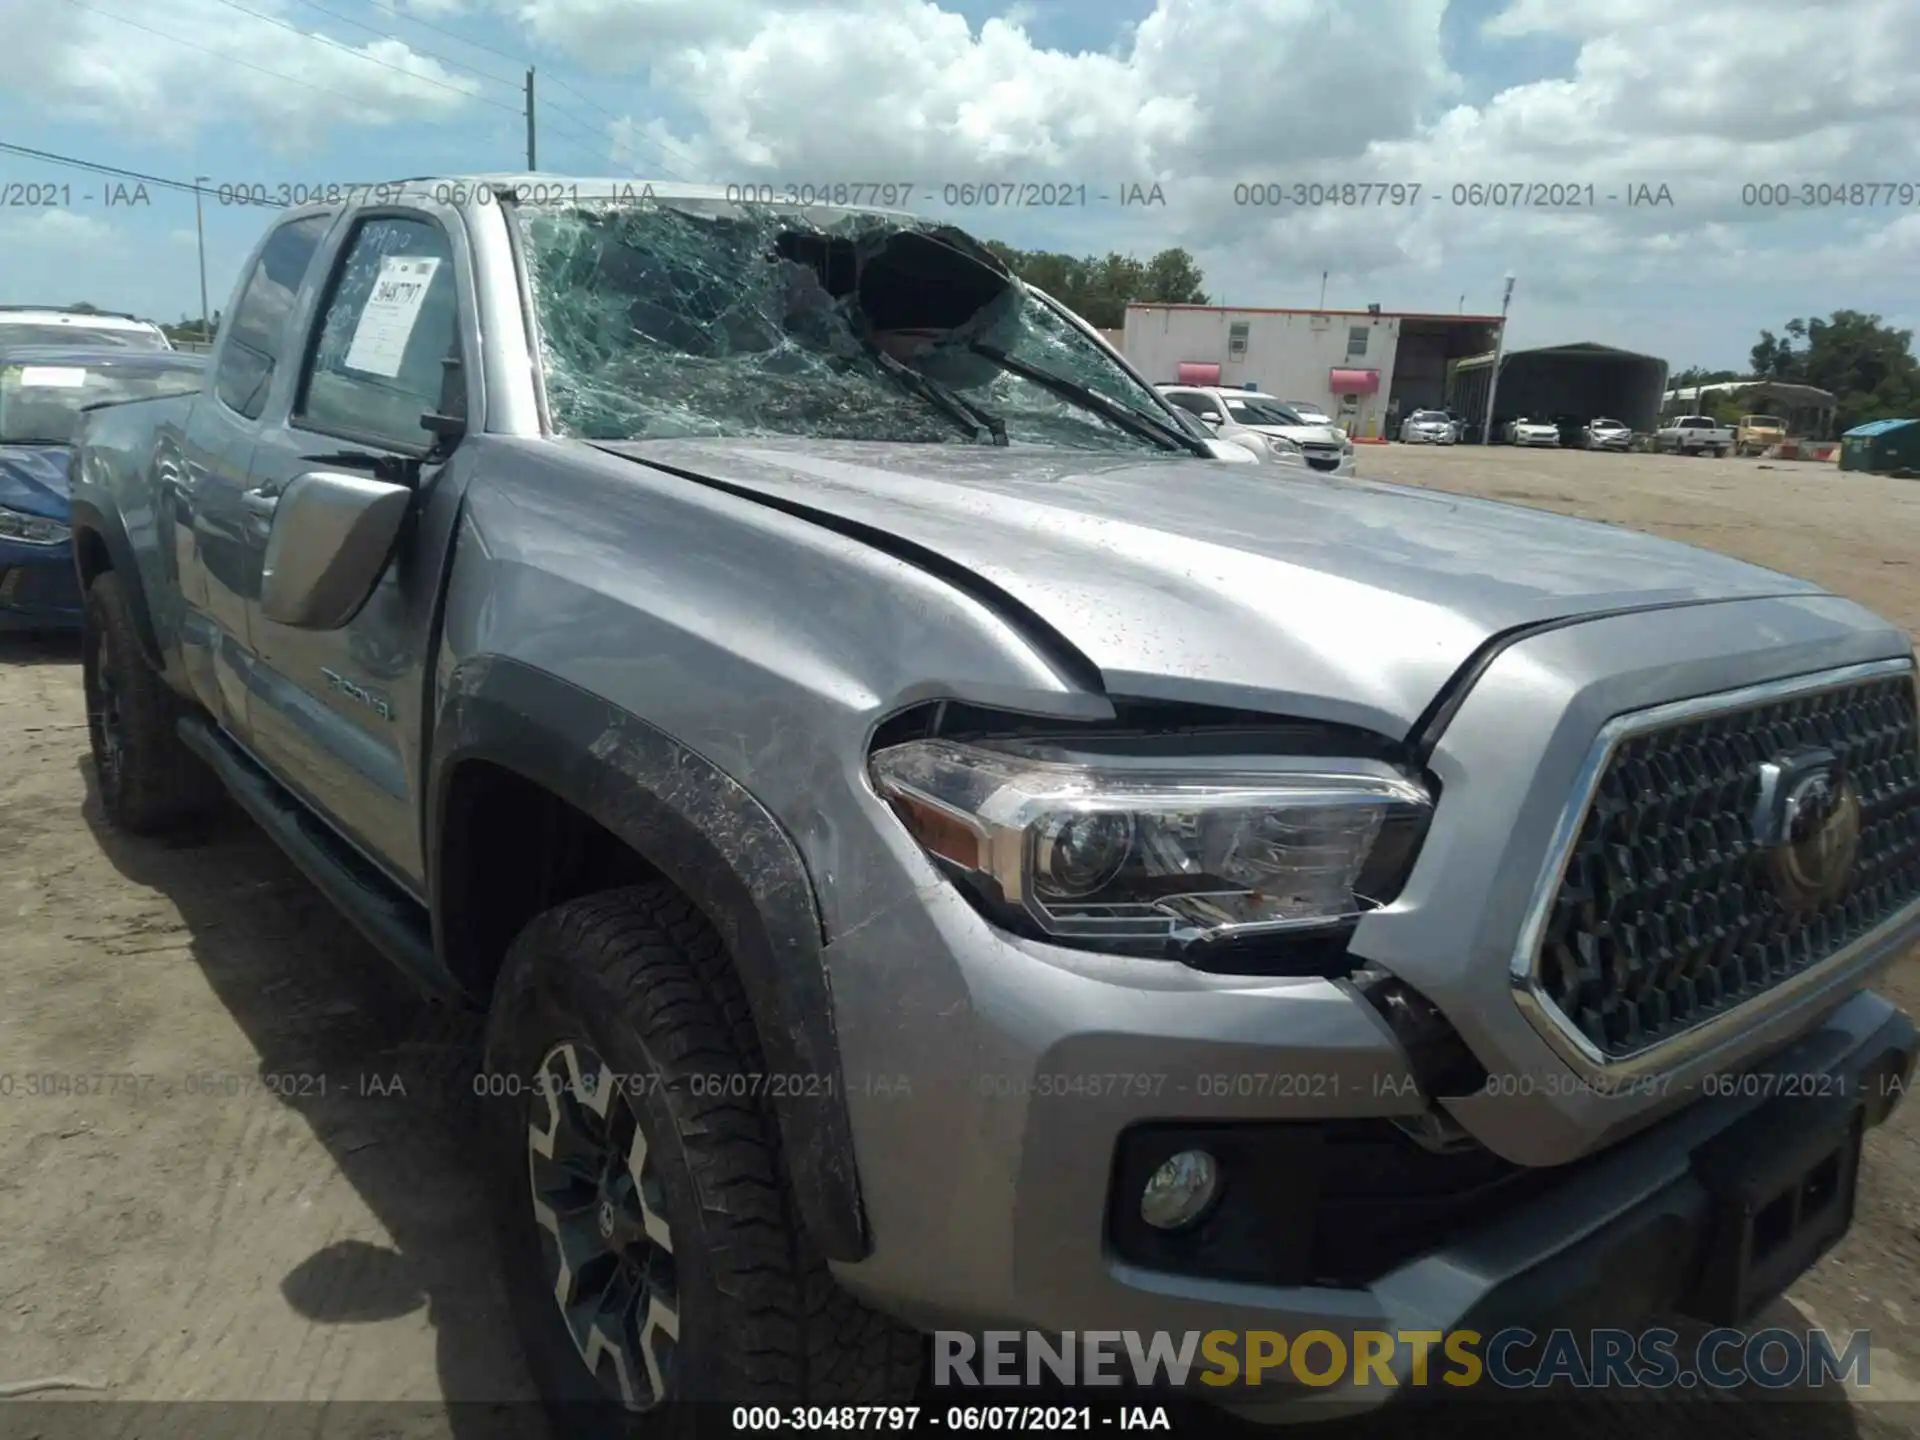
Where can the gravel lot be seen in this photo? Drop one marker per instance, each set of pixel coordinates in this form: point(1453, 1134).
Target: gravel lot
point(252, 1187)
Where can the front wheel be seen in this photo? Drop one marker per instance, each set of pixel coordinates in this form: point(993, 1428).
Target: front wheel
point(149, 781)
point(650, 1243)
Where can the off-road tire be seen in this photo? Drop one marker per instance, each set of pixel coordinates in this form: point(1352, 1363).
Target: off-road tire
point(149, 781)
point(640, 976)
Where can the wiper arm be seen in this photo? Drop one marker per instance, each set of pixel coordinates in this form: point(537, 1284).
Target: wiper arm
point(965, 411)
point(1134, 422)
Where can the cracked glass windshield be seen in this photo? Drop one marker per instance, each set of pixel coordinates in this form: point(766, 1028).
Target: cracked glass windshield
point(667, 319)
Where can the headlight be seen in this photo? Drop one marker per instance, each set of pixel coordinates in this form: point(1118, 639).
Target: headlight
point(1147, 855)
point(32, 529)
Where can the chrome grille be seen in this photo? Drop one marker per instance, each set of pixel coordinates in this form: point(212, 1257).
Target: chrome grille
point(1666, 915)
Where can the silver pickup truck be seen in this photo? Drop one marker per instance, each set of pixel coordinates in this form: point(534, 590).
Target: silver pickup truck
point(937, 852)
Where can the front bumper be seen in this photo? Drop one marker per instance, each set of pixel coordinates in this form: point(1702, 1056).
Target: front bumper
point(1416, 438)
point(1644, 1229)
point(1330, 463)
point(1033, 1064)
point(39, 589)
point(1537, 440)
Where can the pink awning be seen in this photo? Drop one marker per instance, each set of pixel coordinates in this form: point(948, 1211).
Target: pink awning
point(1354, 382)
point(1195, 372)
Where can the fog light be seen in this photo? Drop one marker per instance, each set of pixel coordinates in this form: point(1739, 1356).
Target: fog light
point(1180, 1191)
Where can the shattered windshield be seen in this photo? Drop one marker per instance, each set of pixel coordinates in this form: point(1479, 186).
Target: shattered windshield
point(664, 320)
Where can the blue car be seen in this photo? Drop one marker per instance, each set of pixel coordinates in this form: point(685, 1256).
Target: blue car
point(43, 390)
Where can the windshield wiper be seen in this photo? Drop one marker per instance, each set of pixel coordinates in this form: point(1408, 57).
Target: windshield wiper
point(1134, 422)
point(936, 394)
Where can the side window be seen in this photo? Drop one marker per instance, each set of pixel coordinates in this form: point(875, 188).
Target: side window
point(1193, 404)
point(390, 326)
point(259, 325)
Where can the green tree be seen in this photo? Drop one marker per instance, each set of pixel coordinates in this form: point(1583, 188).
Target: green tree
point(192, 331)
point(1099, 288)
point(1868, 366)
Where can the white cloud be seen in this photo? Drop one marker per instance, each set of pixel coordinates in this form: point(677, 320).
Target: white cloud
point(153, 66)
point(60, 231)
point(1701, 99)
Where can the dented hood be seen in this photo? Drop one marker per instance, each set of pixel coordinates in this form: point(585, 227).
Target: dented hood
point(1264, 588)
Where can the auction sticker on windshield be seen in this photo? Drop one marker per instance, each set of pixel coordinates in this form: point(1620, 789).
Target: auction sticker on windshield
point(51, 377)
point(386, 324)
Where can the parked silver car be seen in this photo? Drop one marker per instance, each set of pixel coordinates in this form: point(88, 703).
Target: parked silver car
point(1428, 427)
point(937, 852)
point(1605, 434)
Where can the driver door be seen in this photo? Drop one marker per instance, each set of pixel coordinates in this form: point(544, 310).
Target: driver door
point(339, 699)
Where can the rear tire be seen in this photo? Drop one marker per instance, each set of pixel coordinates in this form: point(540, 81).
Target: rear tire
point(635, 984)
point(150, 783)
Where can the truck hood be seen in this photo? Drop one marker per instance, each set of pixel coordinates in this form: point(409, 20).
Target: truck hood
point(1267, 588)
point(33, 480)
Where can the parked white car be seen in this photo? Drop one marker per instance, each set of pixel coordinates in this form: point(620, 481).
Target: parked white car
point(1601, 433)
point(53, 325)
point(1309, 412)
point(1428, 427)
point(1325, 447)
point(1533, 432)
point(1237, 445)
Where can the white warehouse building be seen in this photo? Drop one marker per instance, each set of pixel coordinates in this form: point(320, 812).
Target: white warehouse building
point(1366, 368)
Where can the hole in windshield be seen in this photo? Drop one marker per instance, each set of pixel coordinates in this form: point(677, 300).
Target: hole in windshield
point(673, 319)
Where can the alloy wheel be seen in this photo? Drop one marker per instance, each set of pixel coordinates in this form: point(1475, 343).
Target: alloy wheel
point(602, 1227)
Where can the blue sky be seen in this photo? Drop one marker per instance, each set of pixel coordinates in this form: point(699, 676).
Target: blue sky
point(1195, 95)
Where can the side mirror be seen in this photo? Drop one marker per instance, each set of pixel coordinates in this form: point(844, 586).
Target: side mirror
point(331, 538)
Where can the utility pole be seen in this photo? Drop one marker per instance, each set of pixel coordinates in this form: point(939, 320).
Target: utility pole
point(1493, 375)
point(531, 165)
point(200, 230)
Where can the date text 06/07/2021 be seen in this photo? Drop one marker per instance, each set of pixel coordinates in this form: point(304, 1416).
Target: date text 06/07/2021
point(200, 1084)
point(1004, 1418)
point(896, 194)
point(1465, 195)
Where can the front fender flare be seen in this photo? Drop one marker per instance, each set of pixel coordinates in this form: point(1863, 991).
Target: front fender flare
point(707, 835)
point(89, 519)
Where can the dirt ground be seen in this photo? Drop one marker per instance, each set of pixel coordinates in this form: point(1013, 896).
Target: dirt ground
point(231, 1156)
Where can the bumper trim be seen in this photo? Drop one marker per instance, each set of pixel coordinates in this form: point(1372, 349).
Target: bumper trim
point(1845, 965)
point(1649, 1256)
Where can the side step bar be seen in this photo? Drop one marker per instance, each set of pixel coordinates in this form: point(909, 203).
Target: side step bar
point(394, 922)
